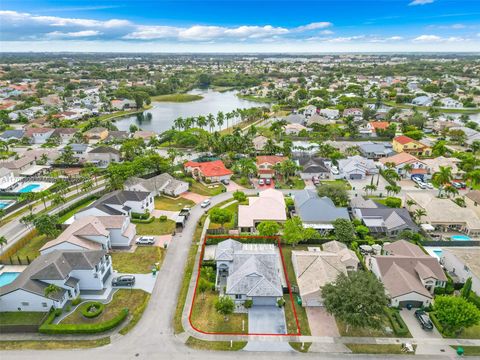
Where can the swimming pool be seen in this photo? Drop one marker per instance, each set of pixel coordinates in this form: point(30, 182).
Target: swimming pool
point(460, 238)
point(438, 253)
point(29, 188)
point(6, 203)
point(8, 277)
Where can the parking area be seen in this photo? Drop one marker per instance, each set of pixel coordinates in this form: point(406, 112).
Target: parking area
point(415, 328)
point(144, 282)
point(266, 320)
point(233, 186)
point(321, 323)
point(264, 186)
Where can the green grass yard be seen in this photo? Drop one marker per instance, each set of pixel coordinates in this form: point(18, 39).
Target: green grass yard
point(32, 248)
point(376, 348)
point(53, 344)
point(156, 227)
point(345, 183)
point(473, 332)
point(215, 345)
point(138, 262)
point(469, 350)
point(201, 189)
point(296, 183)
point(72, 212)
point(166, 203)
point(21, 318)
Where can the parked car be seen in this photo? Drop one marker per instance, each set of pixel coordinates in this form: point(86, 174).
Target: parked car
point(145, 240)
point(421, 185)
point(429, 185)
point(261, 182)
point(459, 185)
point(205, 203)
point(424, 320)
point(268, 181)
point(124, 280)
point(225, 181)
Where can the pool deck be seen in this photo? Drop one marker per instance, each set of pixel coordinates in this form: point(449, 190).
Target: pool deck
point(12, 268)
point(43, 186)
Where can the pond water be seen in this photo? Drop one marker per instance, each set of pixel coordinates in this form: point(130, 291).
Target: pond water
point(161, 116)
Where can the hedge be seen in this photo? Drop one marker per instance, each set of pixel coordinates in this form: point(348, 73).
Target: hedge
point(436, 322)
point(77, 204)
point(245, 240)
point(48, 328)
point(398, 325)
point(140, 216)
point(99, 307)
point(474, 299)
point(140, 221)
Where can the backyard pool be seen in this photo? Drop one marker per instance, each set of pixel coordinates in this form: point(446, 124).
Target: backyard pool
point(29, 188)
point(438, 252)
point(8, 277)
point(6, 203)
point(460, 238)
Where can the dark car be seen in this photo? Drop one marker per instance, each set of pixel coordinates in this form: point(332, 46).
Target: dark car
point(124, 280)
point(225, 181)
point(424, 320)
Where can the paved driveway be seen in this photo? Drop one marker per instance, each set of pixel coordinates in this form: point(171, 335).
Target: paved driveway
point(415, 328)
point(321, 323)
point(266, 320)
point(358, 185)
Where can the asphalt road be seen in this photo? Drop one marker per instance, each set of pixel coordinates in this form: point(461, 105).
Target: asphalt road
point(153, 338)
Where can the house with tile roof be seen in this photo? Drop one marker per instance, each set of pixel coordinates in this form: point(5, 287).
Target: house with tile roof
point(269, 205)
point(408, 274)
point(213, 171)
point(265, 165)
point(403, 143)
point(249, 272)
point(355, 167)
point(119, 202)
point(94, 233)
point(72, 271)
point(316, 267)
point(406, 164)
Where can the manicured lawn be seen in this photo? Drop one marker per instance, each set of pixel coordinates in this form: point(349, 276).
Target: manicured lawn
point(177, 97)
point(201, 189)
point(32, 247)
point(21, 318)
point(53, 344)
point(72, 212)
point(469, 350)
point(231, 224)
point(206, 318)
point(296, 183)
point(123, 298)
point(215, 345)
point(375, 348)
point(301, 313)
point(156, 227)
point(139, 262)
point(345, 183)
point(165, 203)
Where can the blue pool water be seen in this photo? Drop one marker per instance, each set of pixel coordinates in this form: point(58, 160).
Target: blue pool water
point(438, 253)
point(8, 277)
point(5, 203)
point(29, 188)
point(460, 238)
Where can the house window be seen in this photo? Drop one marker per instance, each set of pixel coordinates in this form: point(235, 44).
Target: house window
point(44, 304)
point(238, 297)
point(25, 303)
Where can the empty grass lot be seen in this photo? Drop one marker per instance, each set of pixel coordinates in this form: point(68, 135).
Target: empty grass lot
point(138, 262)
point(201, 189)
point(165, 203)
point(123, 298)
point(156, 227)
point(469, 350)
point(215, 345)
point(375, 348)
point(206, 318)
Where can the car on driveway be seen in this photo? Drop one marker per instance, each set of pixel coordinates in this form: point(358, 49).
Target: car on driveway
point(268, 181)
point(424, 320)
point(261, 182)
point(205, 203)
point(225, 181)
point(145, 240)
point(124, 280)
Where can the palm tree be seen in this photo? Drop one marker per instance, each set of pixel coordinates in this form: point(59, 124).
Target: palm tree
point(57, 199)
point(3, 241)
point(370, 188)
point(44, 195)
point(450, 190)
point(442, 178)
point(407, 168)
point(419, 214)
point(50, 291)
point(29, 197)
point(410, 203)
point(391, 174)
point(211, 121)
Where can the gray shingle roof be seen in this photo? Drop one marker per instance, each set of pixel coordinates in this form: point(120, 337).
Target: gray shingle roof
point(311, 208)
point(118, 197)
point(393, 218)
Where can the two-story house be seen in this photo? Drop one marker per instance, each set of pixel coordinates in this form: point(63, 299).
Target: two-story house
point(265, 165)
point(403, 143)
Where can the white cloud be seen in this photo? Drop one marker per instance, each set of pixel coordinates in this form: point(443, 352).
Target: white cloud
point(346, 39)
point(427, 38)
point(326, 32)
point(394, 38)
point(314, 26)
point(420, 2)
point(75, 34)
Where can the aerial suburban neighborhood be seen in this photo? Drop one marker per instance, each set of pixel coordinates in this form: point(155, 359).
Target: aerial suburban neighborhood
point(195, 205)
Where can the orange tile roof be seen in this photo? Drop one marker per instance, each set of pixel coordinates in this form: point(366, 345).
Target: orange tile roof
point(270, 159)
point(379, 124)
point(400, 158)
point(402, 139)
point(210, 168)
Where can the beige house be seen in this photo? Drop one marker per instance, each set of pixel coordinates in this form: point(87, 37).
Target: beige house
point(433, 165)
point(408, 274)
point(314, 268)
point(444, 214)
point(472, 200)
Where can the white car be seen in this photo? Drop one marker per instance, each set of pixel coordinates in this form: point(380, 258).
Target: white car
point(422, 185)
point(145, 240)
point(429, 185)
point(205, 203)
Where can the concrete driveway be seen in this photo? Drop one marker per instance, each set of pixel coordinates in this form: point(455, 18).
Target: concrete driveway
point(321, 323)
point(266, 320)
point(145, 282)
point(358, 185)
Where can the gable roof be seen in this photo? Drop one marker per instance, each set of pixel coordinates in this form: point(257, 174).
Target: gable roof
point(400, 158)
point(311, 208)
point(104, 150)
point(268, 205)
point(270, 159)
point(210, 168)
point(118, 197)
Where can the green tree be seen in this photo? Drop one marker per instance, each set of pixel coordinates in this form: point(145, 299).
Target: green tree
point(466, 289)
point(225, 306)
point(3, 242)
point(268, 228)
point(293, 231)
point(418, 214)
point(344, 230)
point(245, 167)
point(336, 192)
point(67, 156)
point(46, 224)
point(357, 299)
point(203, 286)
point(442, 178)
point(239, 196)
point(455, 313)
point(220, 216)
point(362, 231)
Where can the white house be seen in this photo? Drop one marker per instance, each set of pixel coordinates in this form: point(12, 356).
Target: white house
point(72, 271)
point(355, 167)
point(102, 156)
point(119, 202)
point(157, 185)
point(463, 263)
point(330, 113)
point(7, 179)
point(451, 103)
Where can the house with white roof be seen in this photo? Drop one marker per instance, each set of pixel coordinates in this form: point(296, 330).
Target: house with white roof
point(355, 167)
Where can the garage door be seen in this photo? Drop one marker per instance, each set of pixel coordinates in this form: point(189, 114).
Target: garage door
point(264, 300)
point(415, 304)
point(355, 176)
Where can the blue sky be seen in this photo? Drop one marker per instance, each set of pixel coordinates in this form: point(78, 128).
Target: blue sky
point(240, 25)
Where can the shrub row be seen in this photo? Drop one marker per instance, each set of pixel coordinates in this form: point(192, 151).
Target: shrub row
point(140, 221)
point(398, 325)
point(77, 204)
point(436, 322)
point(48, 328)
point(99, 307)
point(141, 216)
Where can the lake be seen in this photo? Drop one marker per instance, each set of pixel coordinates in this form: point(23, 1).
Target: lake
point(161, 116)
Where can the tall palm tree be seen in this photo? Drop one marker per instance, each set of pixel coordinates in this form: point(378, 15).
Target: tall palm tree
point(410, 203)
point(442, 178)
point(211, 121)
point(3, 242)
point(419, 214)
point(407, 168)
point(220, 119)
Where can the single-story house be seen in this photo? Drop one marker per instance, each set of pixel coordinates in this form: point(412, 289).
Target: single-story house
point(294, 129)
point(119, 202)
point(72, 271)
point(65, 134)
point(355, 167)
point(259, 142)
point(94, 233)
point(403, 159)
point(249, 272)
point(317, 212)
point(96, 134)
point(375, 150)
point(157, 185)
point(214, 171)
point(269, 205)
point(314, 167)
point(408, 274)
point(463, 263)
point(315, 268)
point(433, 166)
